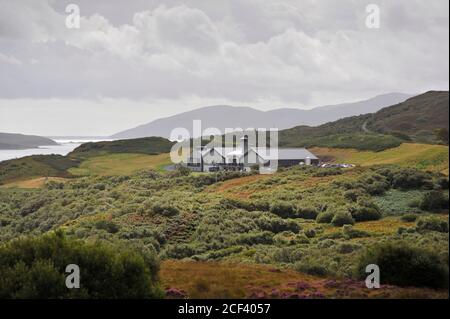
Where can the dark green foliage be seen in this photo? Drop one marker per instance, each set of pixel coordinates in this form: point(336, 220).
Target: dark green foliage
point(148, 145)
point(307, 213)
point(353, 195)
point(442, 183)
point(328, 172)
point(404, 265)
point(350, 233)
point(283, 209)
point(342, 218)
point(432, 223)
point(325, 217)
point(34, 267)
point(164, 209)
point(434, 200)
point(277, 225)
point(442, 134)
point(365, 210)
point(255, 238)
point(180, 251)
point(375, 184)
point(314, 269)
point(411, 179)
point(107, 225)
point(409, 218)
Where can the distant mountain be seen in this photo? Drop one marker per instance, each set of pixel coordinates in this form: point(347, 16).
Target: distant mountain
point(423, 118)
point(223, 117)
point(19, 141)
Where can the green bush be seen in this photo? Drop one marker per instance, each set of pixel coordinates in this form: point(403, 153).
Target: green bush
point(325, 217)
point(432, 223)
point(34, 267)
point(409, 218)
point(352, 195)
point(349, 232)
point(277, 225)
point(411, 179)
point(404, 265)
point(283, 209)
point(342, 218)
point(255, 238)
point(442, 183)
point(107, 225)
point(307, 213)
point(434, 200)
point(311, 268)
point(164, 209)
point(366, 210)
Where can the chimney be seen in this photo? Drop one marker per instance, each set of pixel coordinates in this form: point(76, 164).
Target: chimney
point(245, 148)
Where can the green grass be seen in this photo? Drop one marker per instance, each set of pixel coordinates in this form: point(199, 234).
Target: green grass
point(120, 164)
point(421, 156)
point(35, 166)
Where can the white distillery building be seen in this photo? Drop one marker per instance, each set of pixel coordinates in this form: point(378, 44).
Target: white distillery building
point(244, 157)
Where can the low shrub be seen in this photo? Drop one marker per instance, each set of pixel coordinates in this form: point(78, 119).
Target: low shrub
point(164, 209)
point(342, 218)
point(283, 209)
point(432, 223)
point(307, 213)
point(325, 217)
point(366, 210)
point(347, 248)
point(277, 225)
point(442, 183)
point(35, 268)
point(411, 179)
point(434, 200)
point(311, 268)
point(349, 232)
point(404, 265)
point(310, 233)
point(409, 218)
point(107, 225)
point(255, 238)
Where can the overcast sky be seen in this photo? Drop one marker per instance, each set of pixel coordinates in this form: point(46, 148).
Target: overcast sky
point(134, 61)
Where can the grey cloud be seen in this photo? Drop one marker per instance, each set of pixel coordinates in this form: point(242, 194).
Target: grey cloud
point(239, 50)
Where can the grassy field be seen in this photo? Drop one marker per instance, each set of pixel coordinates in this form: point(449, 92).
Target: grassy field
point(120, 164)
point(422, 156)
point(38, 182)
point(209, 280)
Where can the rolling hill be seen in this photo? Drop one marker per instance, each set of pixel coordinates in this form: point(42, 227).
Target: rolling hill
point(245, 117)
point(423, 118)
point(417, 117)
point(148, 145)
point(19, 141)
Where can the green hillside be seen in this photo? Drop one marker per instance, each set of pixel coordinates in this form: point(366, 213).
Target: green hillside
point(36, 166)
point(148, 145)
point(124, 156)
point(419, 118)
point(423, 118)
